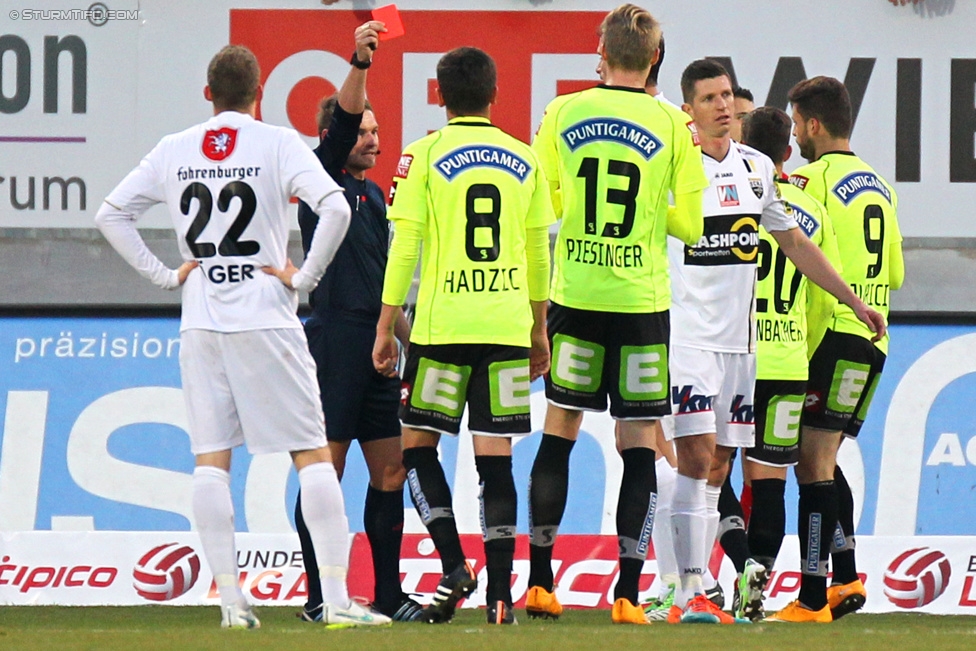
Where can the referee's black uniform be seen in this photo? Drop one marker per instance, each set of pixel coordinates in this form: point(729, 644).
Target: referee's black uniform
point(358, 402)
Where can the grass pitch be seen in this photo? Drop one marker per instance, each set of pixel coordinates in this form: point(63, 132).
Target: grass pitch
point(147, 628)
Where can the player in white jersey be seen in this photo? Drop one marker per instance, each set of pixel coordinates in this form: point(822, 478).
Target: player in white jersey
point(712, 342)
point(244, 360)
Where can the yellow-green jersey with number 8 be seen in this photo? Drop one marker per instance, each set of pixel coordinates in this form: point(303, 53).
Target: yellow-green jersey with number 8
point(475, 190)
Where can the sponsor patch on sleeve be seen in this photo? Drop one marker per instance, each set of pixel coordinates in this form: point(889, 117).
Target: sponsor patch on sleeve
point(799, 181)
point(694, 134)
point(393, 187)
point(403, 166)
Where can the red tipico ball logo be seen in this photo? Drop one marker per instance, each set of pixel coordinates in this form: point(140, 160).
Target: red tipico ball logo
point(218, 144)
point(917, 577)
point(166, 572)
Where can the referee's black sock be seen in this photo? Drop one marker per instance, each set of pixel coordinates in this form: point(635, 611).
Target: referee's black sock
point(499, 504)
point(548, 487)
point(817, 521)
point(842, 547)
point(767, 524)
point(635, 519)
point(383, 522)
point(732, 526)
point(432, 498)
point(308, 559)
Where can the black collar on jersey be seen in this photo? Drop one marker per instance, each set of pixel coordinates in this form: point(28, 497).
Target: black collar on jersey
point(838, 152)
point(470, 121)
point(626, 88)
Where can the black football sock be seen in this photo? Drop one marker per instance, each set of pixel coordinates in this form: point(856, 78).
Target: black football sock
point(548, 487)
point(432, 498)
point(383, 522)
point(635, 518)
point(732, 527)
point(842, 546)
point(308, 559)
point(817, 521)
point(499, 503)
point(767, 525)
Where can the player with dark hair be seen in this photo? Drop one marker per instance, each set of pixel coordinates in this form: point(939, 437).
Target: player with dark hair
point(742, 104)
point(477, 200)
point(712, 349)
point(791, 316)
point(611, 155)
point(651, 83)
point(847, 365)
point(244, 362)
point(358, 403)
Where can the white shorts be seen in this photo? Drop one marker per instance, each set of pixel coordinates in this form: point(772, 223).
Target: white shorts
point(713, 393)
point(667, 426)
point(256, 386)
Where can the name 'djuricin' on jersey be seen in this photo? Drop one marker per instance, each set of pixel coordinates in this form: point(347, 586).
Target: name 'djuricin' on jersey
point(863, 208)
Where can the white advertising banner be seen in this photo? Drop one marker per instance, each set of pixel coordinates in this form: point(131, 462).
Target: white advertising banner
point(84, 95)
point(926, 574)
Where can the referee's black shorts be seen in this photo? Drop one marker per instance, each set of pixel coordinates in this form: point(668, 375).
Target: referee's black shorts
point(358, 402)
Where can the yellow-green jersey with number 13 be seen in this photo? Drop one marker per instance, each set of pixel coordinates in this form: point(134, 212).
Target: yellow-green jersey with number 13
point(475, 190)
point(862, 207)
point(611, 155)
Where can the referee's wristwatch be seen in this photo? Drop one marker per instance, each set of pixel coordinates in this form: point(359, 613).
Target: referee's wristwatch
point(355, 62)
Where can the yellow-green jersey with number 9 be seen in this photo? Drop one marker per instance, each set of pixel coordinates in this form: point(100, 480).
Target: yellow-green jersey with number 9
point(475, 190)
point(611, 155)
point(862, 207)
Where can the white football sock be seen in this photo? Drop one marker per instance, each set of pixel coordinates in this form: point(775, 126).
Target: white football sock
point(214, 513)
point(712, 494)
point(667, 566)
point(688, 516)
point(325, 517)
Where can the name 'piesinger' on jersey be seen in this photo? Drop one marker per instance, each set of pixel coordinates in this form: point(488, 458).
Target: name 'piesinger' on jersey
point(612, 155)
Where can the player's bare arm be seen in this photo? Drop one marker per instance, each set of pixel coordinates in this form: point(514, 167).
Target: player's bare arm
point(401, 329)
point(385, 351)
point(812, 263)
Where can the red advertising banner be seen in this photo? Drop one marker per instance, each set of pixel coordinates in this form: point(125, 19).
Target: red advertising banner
point(304, 56)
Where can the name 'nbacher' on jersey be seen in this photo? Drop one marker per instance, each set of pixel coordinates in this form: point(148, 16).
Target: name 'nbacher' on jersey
point(863, 209)
point(476, 190)
point(790, 311)
point(610, 156)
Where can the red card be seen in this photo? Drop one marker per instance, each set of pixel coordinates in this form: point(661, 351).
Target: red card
point(390, 16)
